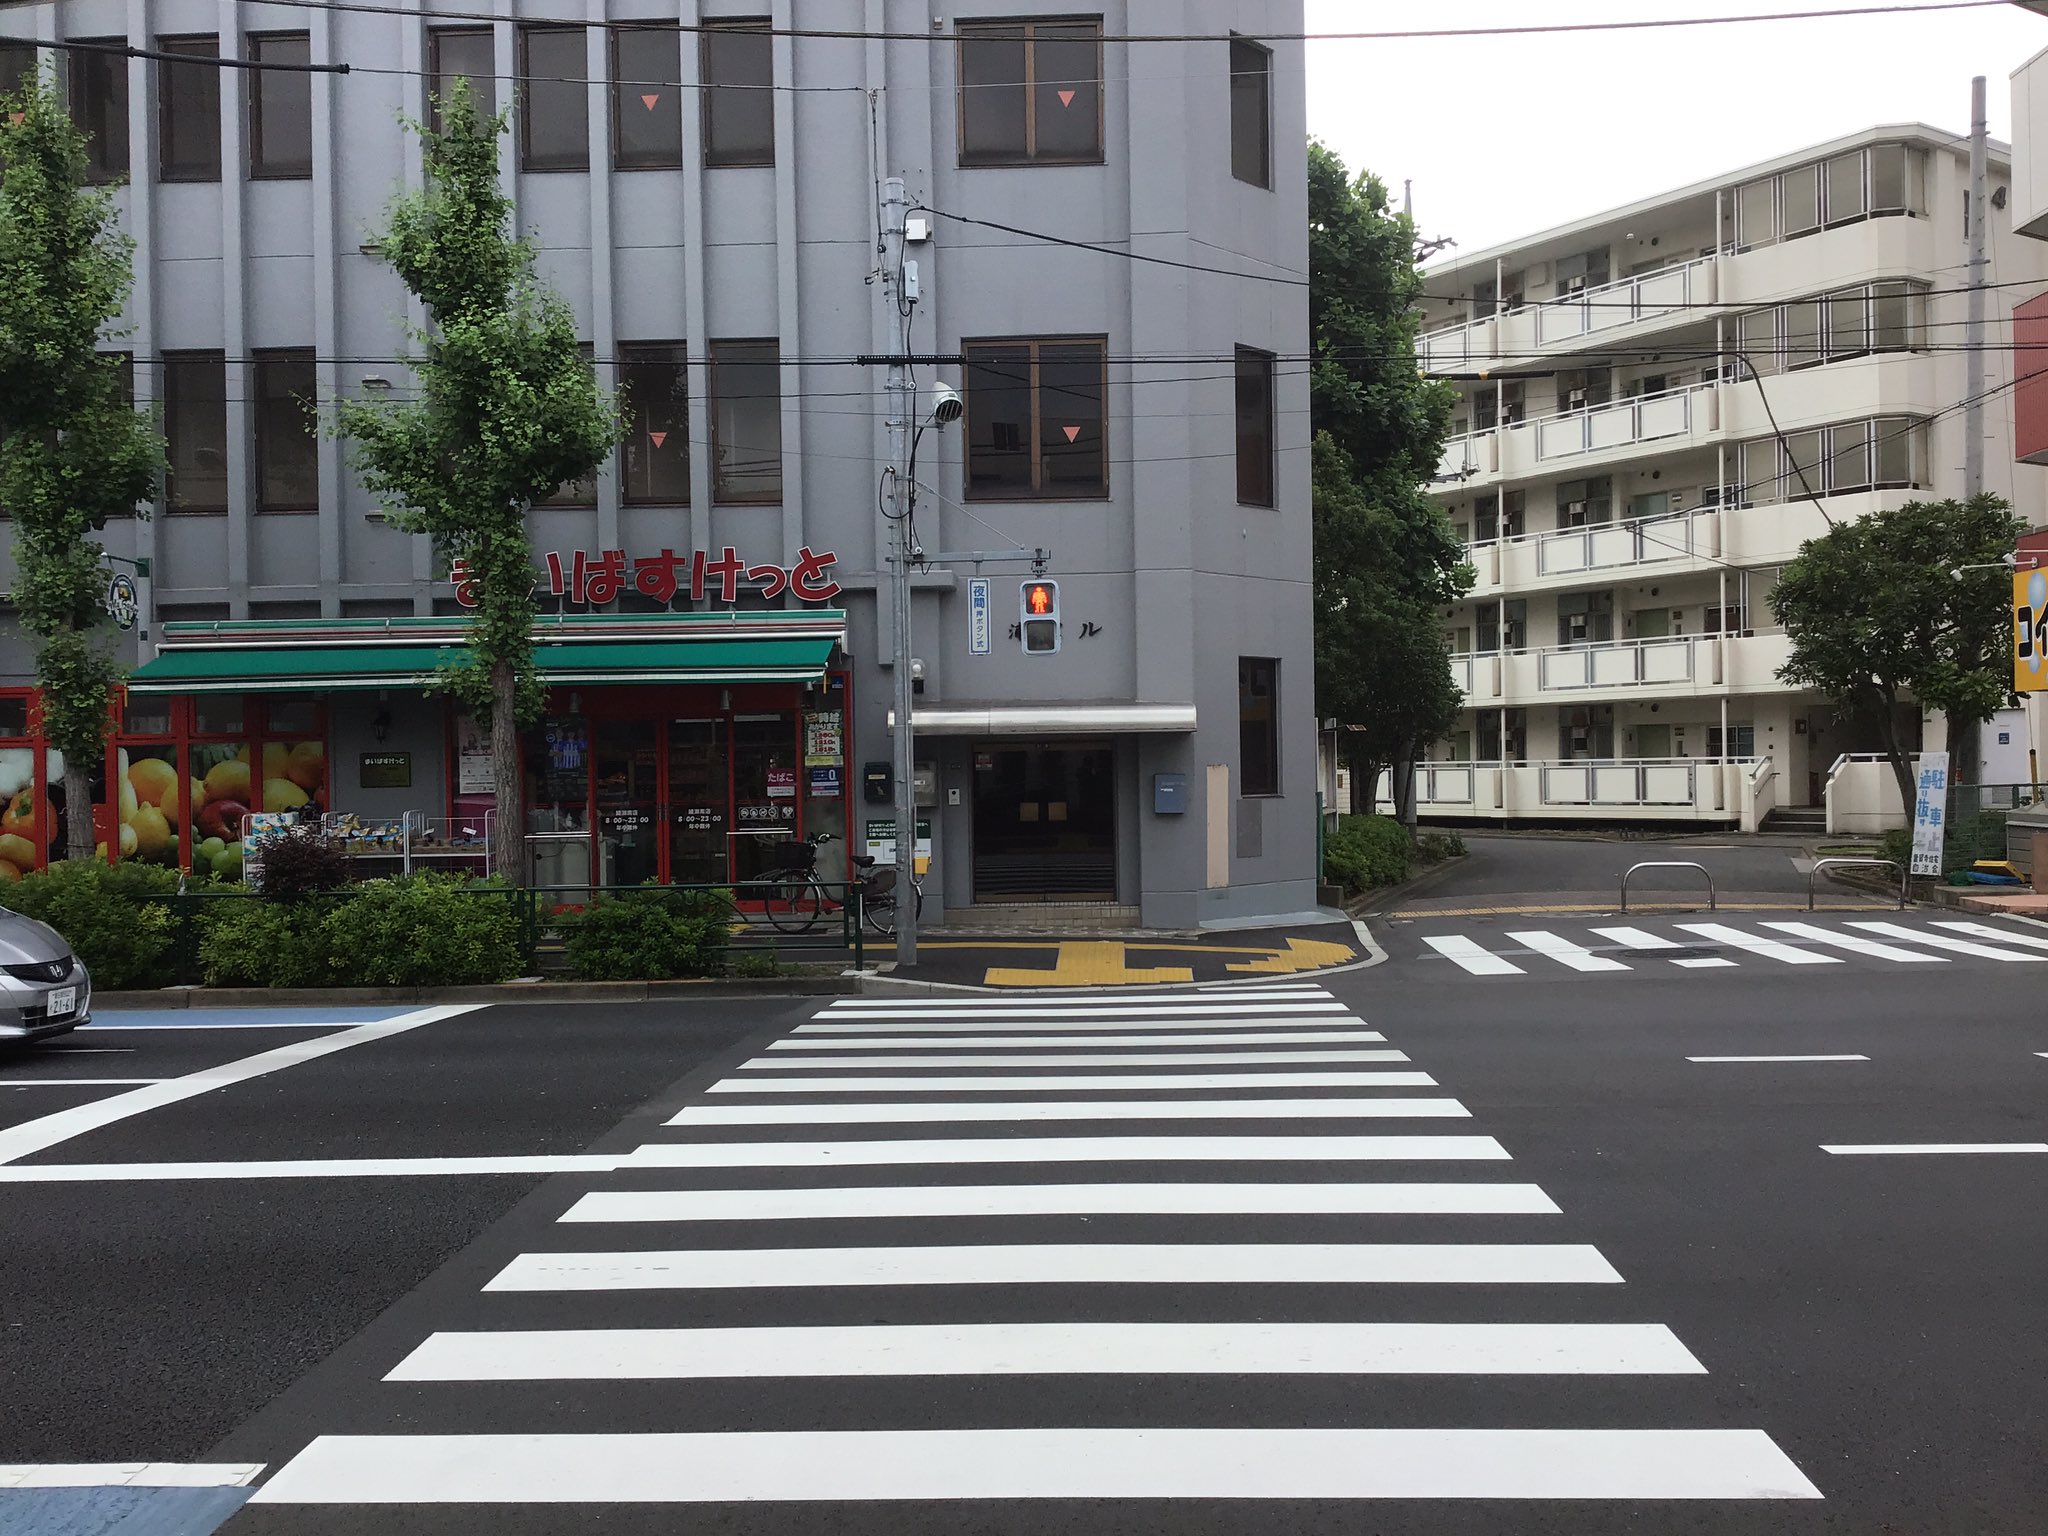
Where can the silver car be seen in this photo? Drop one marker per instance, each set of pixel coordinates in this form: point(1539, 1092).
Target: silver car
point(44, 989)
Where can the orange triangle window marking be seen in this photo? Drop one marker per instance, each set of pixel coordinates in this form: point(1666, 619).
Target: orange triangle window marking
point(1072, 433)
point(659, 438)
point(651, 102)
point(1066, 98)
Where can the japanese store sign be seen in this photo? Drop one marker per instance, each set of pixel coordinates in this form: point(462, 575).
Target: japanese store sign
point(597, 577)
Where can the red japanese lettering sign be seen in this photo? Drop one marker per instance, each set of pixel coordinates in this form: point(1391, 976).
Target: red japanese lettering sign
point(599, 577)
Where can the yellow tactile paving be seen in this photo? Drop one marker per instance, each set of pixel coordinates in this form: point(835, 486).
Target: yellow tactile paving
point(1090, 964)
point(1299, 955)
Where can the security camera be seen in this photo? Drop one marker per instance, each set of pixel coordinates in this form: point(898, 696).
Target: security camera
point(946, 404)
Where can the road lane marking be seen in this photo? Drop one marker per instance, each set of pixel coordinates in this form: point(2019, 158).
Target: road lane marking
point(1118, 1008)
point(1756, 944)
point(1470, 956)
point(989, 1464)
point(79, 1082)
point(130, 1474)
point(1068, 1042)
point(1987, 931)
point(921, 1201)
point(1815, 934)
point(1064, 1264)
point(1777, 1058)
point(1056, 999)
point(1054, 1349)
point(308, 1168)
point(1082, 1027)
point(1936, 1148)
point(1074, 1082)
point(1637, 938)
point(1087, 1109)
point(1068, 1149)
point(1133, 1059)
point(130, 1029)
point(1942, 941)
point(39, 1135)
point(1555, 946)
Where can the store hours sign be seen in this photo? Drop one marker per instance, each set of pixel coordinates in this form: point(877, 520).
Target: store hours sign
point(598, 577)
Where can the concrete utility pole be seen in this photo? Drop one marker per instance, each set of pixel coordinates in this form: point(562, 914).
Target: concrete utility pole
point(1973, 338)
point(902, 401)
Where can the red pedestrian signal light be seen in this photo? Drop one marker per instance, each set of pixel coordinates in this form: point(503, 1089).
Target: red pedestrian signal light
point(1040, 629)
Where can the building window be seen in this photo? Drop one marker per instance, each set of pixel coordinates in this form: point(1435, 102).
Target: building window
point(1258, 726)
point(576, 493)
point(17, 65)
point(188, 107)
point(463, 53)
point(554, 103)
point(656, 457)
point(746, 421)
point(1889, 316)
point(647, 103)
point(99, 106)
point(1740, 742)
point(738, 62)
point(287, 440)
point(1031, 92)
point(1251, 112)
point(196, 430)
point(1037, 420)
point(1886, 180)
point(1884, 453)
point(1254, 427)
point(281, 108)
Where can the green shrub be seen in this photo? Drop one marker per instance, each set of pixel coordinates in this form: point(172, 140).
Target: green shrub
point(1435, 847)
point(1368, 851)
point(255, 942)
point(1896, 845)
point(123, 940)
point(651, 934)
point(757, 963)
point(425, 930)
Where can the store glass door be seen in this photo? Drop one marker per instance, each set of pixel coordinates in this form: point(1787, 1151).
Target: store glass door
point(699, 795)
point(765, 758)
point(627, 770)
point(1044, 823)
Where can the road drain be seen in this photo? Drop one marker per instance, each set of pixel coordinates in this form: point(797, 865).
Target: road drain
point(1680, 952)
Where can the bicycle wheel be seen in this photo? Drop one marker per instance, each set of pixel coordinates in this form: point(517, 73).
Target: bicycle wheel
point(796, 903)
point(878, 902)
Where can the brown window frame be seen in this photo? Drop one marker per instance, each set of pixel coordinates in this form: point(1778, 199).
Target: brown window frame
point(1268, 788)
point(644, 353)
point(171, 401)
point(624, 94)
point(1037, 491)
point(261, 362)
point(100, 167)
point(576, 158)
point(1004, 29)
point(283, 169)
point(436, 38)
point(1267, 373)
point(195, 47)
point(724, 498)
point(1264, 74)
point(711, 30)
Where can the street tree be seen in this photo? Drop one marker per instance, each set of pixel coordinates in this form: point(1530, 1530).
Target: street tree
point(1905, 606)
point(74, 453)
point(505, 411)
point(1386, 558)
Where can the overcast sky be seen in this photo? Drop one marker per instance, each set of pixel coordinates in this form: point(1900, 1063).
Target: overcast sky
point(1505, 136)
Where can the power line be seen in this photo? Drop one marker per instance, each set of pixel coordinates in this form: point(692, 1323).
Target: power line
point(1110, 250)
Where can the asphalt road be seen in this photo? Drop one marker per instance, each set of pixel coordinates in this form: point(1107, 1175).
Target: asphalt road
point(1863, 1327)
point(1534, 867)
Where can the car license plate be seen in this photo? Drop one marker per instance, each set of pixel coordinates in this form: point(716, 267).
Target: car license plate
point(60, 1002)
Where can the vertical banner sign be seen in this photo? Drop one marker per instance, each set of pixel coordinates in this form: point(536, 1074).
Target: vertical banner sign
point(2029, 631)
point(979, 634)
point(1930, 810)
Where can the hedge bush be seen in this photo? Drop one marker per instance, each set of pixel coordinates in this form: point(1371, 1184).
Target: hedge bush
point(101, 910)
point(1368, 851)
point(652, 934)
point(425, 930)
point(247, 942)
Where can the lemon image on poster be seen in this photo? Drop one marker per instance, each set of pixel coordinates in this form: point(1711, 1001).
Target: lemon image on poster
point(2030, 631)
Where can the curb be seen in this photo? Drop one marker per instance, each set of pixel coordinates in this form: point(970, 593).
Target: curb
point(713, 988)
point(1375, 903)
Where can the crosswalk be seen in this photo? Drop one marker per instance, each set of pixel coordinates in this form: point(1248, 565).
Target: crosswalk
point(1047, 1198)
point(1609, 949)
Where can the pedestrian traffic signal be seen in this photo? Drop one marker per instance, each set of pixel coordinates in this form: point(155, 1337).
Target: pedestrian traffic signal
point(1040, 630)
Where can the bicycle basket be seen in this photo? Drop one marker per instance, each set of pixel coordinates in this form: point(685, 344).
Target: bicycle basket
point(881, 883)
point(794, 854)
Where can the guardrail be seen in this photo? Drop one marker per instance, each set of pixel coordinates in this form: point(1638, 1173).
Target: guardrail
point(1868, 863)
point(1667, 864)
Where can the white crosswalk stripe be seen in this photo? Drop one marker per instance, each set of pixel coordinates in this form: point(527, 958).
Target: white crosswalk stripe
point(1469, 956)
point(1564, 952)
point(1636, 938)
point(1943, 941)
point(1815, 934)
point(733, 1286)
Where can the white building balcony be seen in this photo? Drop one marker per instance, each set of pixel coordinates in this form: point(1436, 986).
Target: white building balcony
point(1592, 436)
point(1683, 666)
point(1676, 543)
point(1632, 306)
point(1681, 789)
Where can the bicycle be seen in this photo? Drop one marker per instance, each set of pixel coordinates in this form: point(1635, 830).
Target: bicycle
point(878, 889)
point(792, 896)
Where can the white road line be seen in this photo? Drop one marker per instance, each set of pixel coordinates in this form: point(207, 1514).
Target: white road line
point(923, 1201)
point(130, 1474)
point(1813, 933)
point(1756, 944)
point(1064, 1264)
point(1777, 1058)
point(79, 1082)
point(1056, 999)
point(307, 1168)
point(1075, 1082)
point(129, 1029)
point(1987, 931)
point(1117, 1008)
point(1069, 1149)
point(1555, 946)
point(1054, 1349)
point(1470, 956)
point(1936, 1148)
point(1133, 1059)
point(1068, 1042)
point(1637, 938)
point(1943, 941)
point(1083, 1028)
point(1053, 1109)
point(39, 1135)
point(991, 1464)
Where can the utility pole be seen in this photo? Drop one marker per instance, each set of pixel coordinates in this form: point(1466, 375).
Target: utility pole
point(1973, 339)
point(902, 402)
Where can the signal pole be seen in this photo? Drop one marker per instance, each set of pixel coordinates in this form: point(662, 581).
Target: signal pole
point(902, 401)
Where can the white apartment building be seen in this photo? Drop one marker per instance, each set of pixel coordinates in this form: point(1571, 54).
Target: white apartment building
point(1658, 404)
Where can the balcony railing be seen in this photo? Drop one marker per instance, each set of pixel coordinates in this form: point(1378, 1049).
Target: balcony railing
point(1632, 663)
point(1618, 783)
point(1589, 789)
point(1641, 419)
point(1551, 322)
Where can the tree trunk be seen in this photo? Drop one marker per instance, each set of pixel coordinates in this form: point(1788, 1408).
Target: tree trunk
point(1401, 780)
point(78, 834)
point(508, 842)
point(1965, 751)
point(1895, 750)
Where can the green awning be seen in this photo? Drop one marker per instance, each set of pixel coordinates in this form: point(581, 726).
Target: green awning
point(326, 668)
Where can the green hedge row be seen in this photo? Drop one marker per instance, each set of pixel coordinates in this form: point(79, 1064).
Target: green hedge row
point(1370, 851)
point(653, 934)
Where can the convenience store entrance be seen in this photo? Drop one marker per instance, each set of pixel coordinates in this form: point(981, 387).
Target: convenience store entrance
point(1044, 823)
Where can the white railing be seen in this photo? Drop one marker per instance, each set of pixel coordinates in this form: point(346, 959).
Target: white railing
point(1627, 664)
point(1760, 793)
point(1646, 541)
point(1640, 419)
point(1446, 784)
point(1862, 795)
point(1464, 456)
point(1548, 322)
point(1620, 782)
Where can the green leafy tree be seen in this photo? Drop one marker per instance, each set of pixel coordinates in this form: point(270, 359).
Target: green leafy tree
point(73, 452)
point(1386, 558)
point(1878, 617)
point(506, 411)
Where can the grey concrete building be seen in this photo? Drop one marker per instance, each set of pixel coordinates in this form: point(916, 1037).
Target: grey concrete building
point(700, 183)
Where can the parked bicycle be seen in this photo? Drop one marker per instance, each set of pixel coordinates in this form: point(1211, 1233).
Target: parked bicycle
point(879, 890)
point(792, 896)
